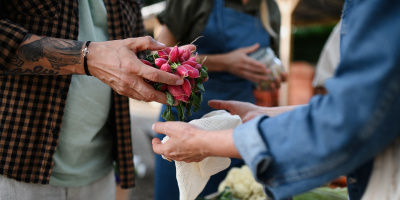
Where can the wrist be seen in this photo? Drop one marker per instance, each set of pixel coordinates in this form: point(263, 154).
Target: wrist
point(215, 62)
point(220, 144)
point(85, 54)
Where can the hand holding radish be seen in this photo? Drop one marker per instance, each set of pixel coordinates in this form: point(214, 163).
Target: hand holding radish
point(116, 64)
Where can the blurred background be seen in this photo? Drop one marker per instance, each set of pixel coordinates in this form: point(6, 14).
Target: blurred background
point(306, 25)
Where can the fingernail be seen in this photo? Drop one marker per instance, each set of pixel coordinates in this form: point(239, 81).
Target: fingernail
point(152, 127)
point(179, 82)
point(159, 43)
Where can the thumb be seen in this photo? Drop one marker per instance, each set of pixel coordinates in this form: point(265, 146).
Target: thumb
point(146, 43)
point(250, 49)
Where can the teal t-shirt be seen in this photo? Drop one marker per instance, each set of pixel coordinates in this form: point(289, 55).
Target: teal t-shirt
point(83, 153)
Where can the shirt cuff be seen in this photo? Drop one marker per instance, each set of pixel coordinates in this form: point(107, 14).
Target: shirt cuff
point(252, 146)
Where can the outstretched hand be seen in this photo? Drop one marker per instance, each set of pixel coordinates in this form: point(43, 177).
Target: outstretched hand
point(248, 111)
point(245, 110)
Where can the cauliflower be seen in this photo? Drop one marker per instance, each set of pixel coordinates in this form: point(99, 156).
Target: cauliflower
point(242, 184)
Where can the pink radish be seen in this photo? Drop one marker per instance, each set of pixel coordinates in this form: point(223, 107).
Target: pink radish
point(174, 55)
point(186, 87)
point(160, 61)
point(194, 58)
point(146, 62)
point(190, 62)
point(177, 92)
point(181, 70)
point(198, 67)
point(162, 54)
point(166, 68)
point(192, 72)
point(167, 50)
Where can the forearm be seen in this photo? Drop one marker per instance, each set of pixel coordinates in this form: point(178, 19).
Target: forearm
point(214, 62)
point(273, 111)
point(220, 144)
point(46, 56)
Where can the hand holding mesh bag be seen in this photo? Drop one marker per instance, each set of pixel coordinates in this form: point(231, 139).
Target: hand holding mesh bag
point(192, 177)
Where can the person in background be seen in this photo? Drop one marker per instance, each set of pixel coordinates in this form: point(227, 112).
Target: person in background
point(328, 61)
point(225, 33)
point(338, 133)
point(64, 116)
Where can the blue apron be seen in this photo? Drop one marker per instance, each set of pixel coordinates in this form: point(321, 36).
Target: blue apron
point(225, 31)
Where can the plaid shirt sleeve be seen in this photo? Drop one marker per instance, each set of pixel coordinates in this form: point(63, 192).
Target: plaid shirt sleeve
point(11, 36)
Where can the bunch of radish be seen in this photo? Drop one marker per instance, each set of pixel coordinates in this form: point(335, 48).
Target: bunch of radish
point(188, 95)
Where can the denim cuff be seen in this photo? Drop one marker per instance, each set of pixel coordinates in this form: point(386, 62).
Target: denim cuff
point(251, 146)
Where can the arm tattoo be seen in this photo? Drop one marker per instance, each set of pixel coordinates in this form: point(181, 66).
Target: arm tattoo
point(58, 52)
point(30, 57)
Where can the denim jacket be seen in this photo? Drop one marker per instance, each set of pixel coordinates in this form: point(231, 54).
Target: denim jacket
point(337, 133)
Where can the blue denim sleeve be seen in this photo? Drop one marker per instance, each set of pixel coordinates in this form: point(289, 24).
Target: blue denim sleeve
point(335, 133)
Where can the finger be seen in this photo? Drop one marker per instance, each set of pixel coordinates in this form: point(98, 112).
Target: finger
point(257, 66)
point(220, 104)
point(190, 46)
point(156, 75)
point(284, 76)
point(254, 77)
point(250, 49)
point(157, 146)
point(136, 88)
point(145, 43)
point(167, 128)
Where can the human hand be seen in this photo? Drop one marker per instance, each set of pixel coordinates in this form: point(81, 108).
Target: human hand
point(238, 63)
point(184, 141)
point(248, 111)
point(116, 64)
point(245, 110)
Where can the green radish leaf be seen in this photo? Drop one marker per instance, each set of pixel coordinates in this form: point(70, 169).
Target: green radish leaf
point(204, 67)
point(167, 115)
point(151, 59)
point(181, 112)
point(203, 73)
point(196, 101)
point(188, 106)
point(200, 87)
point(170, 98)
point(157, 86)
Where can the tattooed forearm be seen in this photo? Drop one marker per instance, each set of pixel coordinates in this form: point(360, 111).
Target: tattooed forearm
point(15, 60)
point(45, 55)
point(59, 52)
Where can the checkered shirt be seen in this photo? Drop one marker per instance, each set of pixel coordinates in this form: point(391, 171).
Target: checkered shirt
point(32, 107)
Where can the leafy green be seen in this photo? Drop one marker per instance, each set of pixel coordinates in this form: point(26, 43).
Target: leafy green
point(226, 195)
point(323, 193)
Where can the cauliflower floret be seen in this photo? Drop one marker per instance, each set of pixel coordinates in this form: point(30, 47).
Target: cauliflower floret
point(242, 184)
